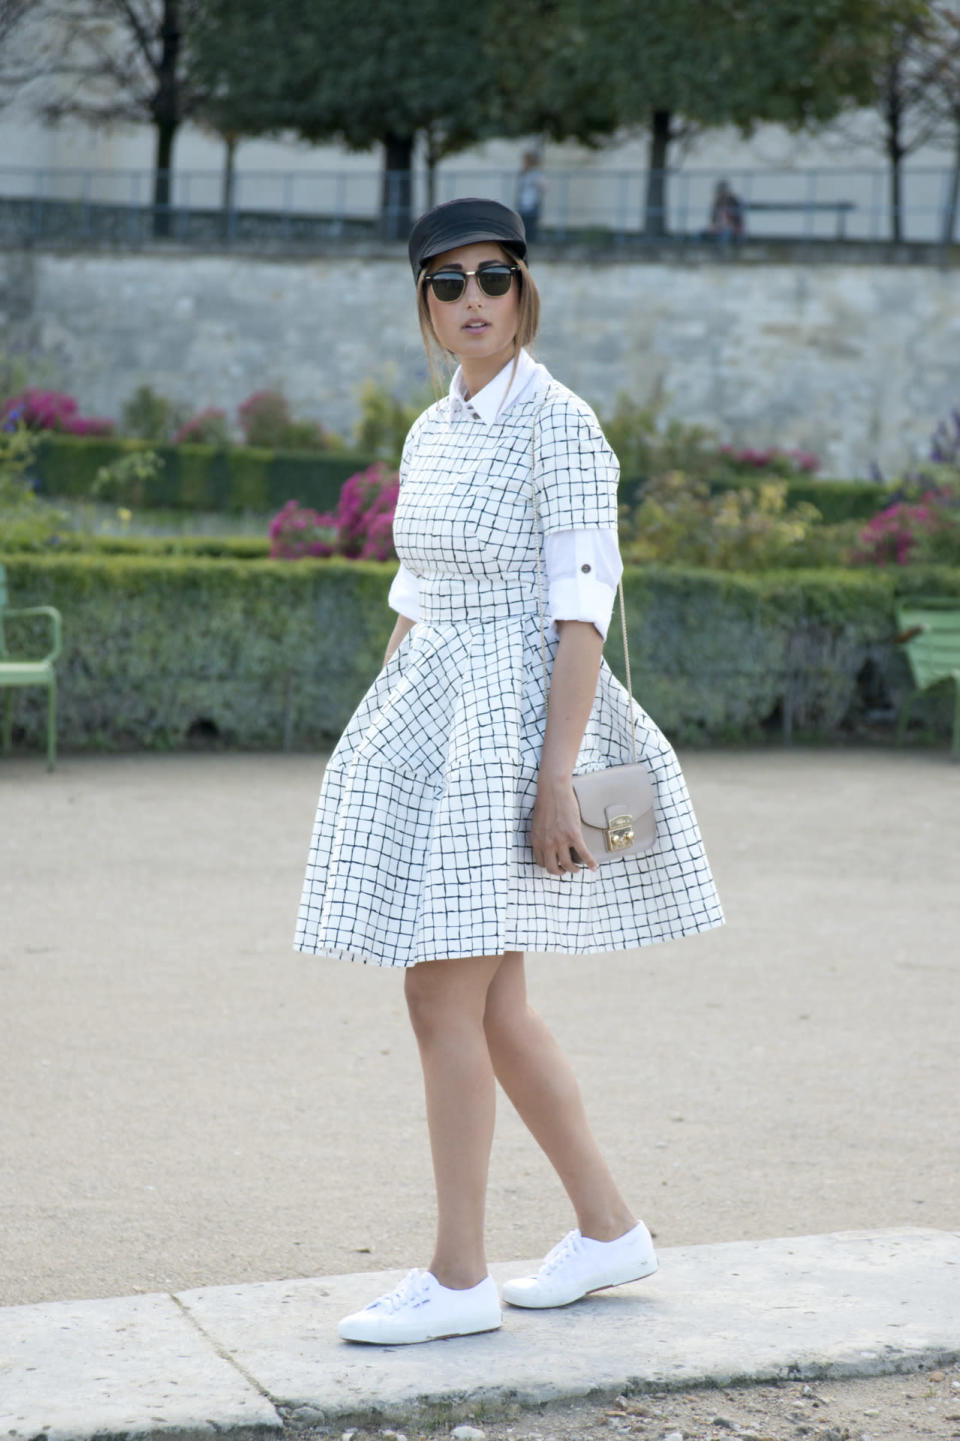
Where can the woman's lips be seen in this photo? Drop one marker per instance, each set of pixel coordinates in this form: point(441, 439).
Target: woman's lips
point(476, 325)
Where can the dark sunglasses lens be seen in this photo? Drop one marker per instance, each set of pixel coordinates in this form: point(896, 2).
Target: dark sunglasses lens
point(495, 279)
point(448, 284)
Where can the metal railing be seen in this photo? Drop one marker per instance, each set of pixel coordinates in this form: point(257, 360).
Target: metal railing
point(302, 209)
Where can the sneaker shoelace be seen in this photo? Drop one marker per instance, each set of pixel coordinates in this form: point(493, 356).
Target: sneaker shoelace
point(571, 1245)
point(412, 1291)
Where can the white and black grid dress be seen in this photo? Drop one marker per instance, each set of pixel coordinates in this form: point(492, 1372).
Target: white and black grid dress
point(421, 846)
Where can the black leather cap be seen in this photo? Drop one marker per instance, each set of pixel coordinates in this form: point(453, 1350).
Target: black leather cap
point(463, 222)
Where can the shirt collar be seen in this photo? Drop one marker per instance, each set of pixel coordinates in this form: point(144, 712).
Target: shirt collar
point(502, 391)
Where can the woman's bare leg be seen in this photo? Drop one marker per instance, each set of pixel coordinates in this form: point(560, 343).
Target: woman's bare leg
point(447, 1001)
point(538, 1078)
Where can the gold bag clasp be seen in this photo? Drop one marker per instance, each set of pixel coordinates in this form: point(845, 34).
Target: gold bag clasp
point(619, 832)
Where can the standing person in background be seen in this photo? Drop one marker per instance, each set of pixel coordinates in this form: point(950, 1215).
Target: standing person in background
point(530, 188)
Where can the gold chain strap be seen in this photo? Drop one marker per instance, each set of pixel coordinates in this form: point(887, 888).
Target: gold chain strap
point(543, 639)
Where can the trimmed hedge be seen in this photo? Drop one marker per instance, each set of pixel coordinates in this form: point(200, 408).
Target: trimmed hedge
point(200, 477)
point(226, 547)
point(162, 652)
point(836, 500)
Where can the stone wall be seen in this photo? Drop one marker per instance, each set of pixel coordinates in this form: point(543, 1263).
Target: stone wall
point(855, 362)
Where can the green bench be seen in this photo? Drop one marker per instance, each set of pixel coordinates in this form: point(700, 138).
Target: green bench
point(15, 671)
point(929, 628)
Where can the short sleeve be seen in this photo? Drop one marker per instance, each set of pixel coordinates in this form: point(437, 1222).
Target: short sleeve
point(576, 471)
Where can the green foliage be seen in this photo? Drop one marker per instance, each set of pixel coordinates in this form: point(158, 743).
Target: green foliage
point(13, 376)
point(384, 422)
point(679, 521)
point(197, 477)
point(149, 416)
point(265, 652)
point(25, 522)
point(404, 71)
point(127, 477)
point(646, 447)
point(255, 652)
point(17, 448)
point(837, 501)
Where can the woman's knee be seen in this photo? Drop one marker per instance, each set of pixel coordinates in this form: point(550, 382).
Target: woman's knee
point(446, 995)
point(508, 1022)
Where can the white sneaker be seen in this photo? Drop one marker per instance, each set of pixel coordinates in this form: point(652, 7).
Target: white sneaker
point(420, 1309)
point(578, 1265)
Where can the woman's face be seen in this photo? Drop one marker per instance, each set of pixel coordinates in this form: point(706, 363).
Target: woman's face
point(476, 327)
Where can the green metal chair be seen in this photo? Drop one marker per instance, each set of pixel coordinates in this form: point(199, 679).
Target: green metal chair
point(29, 672)
point(929, 628)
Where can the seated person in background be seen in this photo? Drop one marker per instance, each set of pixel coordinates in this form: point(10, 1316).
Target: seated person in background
point(726, 215)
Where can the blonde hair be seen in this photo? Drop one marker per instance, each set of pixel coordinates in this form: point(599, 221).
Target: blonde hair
point(528, 317)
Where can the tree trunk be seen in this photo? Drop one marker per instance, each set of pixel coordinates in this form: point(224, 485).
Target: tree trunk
point(950, 210)
point(431, 162)
point(230, 141)
point(655, 216)
point(396, 193)
point(162, 179)
point(165, 108)
point(893, 115)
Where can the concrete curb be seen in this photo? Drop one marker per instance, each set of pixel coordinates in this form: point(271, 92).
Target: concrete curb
point(252, 1360)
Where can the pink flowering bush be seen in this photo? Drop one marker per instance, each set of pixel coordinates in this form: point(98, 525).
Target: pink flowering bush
point(297, 531)
point(770, 460)
point(361, 527)
point(207, 427)
point(53, 410)
point(266, 421)
point(923, 531)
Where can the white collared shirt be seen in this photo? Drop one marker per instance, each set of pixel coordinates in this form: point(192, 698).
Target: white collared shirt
point(582, 567)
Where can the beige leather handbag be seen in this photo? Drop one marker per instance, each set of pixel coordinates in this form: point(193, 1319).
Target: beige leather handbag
point(617, 814)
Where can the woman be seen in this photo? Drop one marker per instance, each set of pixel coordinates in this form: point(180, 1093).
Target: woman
point(448, 837)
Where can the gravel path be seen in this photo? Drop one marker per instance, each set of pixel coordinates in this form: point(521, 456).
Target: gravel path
point(187, 1102)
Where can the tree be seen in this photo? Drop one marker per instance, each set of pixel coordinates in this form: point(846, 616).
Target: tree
point(900, 97)
point(944, 101)
point(14, 68)
point(127, 61)
point(673, 66)
point(388, 75)
point(915, 94)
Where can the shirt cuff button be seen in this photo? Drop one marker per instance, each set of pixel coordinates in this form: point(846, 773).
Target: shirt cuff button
point(584, 568)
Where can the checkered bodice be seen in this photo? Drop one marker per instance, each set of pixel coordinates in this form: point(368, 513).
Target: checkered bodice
point(464, 521)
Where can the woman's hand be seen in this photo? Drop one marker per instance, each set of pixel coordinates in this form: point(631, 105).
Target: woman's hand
point(555, 829)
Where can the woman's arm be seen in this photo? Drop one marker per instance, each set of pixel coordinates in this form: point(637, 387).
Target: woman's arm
point(399, 631)
point(555, 827)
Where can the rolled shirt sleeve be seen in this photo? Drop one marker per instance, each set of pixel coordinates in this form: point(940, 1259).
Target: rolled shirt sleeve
point(404, 593)
point(583, 569)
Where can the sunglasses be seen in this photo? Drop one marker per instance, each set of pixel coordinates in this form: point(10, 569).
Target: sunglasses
point(494, 280)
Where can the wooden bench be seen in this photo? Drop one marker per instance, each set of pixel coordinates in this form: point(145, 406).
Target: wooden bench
point(842, 209)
